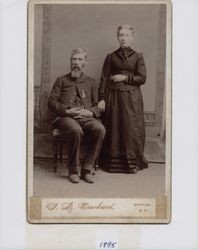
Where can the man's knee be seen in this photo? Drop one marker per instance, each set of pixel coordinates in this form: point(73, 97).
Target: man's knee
point(76, 131)
point(99, 129)
point(71, 127)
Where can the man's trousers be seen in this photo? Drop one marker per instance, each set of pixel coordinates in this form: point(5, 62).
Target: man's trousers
point(74, 130)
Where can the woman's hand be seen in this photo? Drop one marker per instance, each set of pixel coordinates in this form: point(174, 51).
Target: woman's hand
point(101, 106)
point(119, 78)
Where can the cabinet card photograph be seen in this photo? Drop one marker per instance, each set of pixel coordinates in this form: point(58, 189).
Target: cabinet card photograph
point(99, 112)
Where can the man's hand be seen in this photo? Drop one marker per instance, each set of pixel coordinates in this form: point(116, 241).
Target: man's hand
point(101, 106)
point(72, 112)
point(83, 113)
point(119, 78)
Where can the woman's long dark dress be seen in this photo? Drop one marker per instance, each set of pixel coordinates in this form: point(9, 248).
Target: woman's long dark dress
point(123, 146)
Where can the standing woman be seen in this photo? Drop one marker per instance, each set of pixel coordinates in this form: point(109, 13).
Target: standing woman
point(120, 97)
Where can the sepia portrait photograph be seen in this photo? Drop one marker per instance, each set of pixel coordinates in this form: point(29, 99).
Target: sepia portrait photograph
point(99, 112)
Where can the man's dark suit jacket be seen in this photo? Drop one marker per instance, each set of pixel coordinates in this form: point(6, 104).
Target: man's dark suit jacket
point(67, 89)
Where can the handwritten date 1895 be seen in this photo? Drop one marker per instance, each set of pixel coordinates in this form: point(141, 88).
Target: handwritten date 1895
point(108, 245)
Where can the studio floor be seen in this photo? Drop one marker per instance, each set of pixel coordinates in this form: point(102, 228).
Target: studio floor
point(149, 182)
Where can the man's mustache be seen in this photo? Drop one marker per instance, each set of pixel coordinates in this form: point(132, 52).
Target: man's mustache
point(76, 67)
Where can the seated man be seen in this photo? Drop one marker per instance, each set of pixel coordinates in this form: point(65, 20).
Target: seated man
point(74, 99)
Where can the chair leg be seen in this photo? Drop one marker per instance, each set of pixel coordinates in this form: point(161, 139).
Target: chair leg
point(95, 166)
point(61, 151)
point(55, 150)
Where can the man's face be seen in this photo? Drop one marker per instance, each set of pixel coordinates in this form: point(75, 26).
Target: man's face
point(78, 62)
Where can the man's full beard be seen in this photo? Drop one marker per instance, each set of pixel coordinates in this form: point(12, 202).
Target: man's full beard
point(76, 72)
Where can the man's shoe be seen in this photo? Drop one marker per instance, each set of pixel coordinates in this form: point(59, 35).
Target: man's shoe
point(132, 169)
point(74, 178)
point(86, 176)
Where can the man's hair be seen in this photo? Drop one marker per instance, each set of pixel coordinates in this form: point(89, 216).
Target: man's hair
point(79, 51)
point(125, 26)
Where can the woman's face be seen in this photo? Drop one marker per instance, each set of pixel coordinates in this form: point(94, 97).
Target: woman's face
point(125, 37)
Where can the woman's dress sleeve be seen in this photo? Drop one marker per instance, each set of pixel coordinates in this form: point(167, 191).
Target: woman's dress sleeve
point(139, 77)
point(106, 73)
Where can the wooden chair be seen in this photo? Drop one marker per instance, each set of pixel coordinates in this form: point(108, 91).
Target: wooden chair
point(57, 147)
point(58, 144)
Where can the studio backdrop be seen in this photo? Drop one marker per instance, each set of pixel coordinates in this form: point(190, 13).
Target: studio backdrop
point(61, 28)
